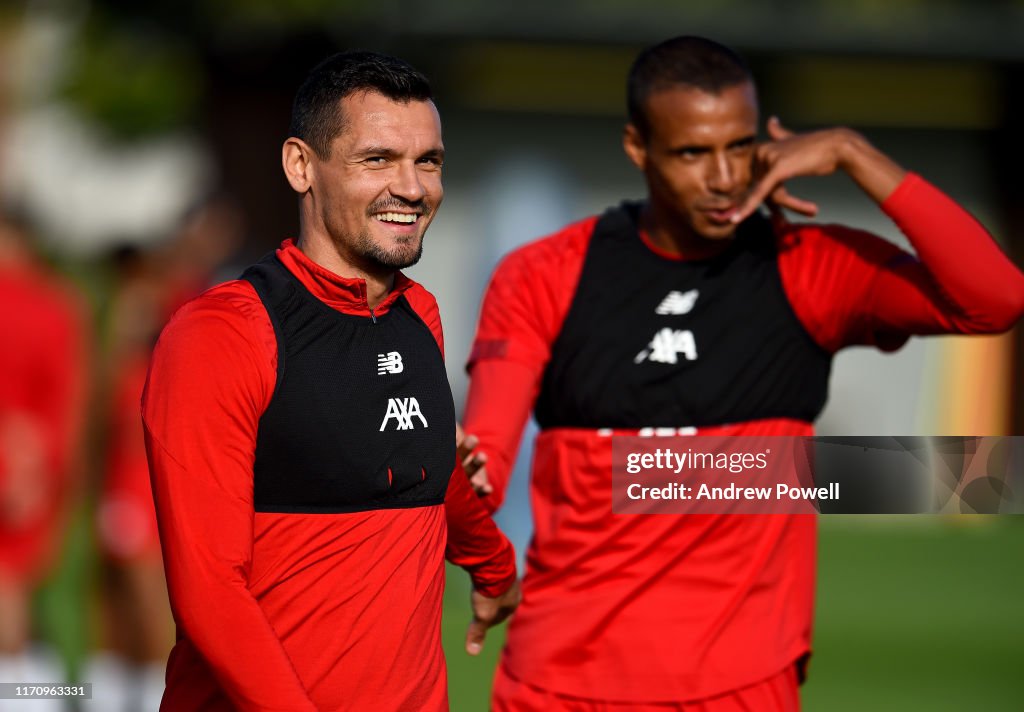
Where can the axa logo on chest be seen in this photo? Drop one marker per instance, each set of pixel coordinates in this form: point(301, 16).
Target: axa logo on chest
point(666, 346)
point(403, 410)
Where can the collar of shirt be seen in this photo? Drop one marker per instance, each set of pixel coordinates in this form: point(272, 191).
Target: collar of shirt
point(341, 293)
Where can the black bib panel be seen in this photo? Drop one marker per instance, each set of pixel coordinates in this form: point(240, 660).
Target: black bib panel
point(649, 341)
point(362, 415)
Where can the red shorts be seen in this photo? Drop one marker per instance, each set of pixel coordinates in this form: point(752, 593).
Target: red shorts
point(779, 693)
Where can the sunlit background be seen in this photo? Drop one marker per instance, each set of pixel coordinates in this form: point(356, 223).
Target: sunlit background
point(149, 133)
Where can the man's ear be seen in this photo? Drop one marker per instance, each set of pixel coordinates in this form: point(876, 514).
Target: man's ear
point(634, 145)
point(297, 159)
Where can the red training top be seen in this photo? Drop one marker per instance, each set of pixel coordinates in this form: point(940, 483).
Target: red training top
point(292, 611)
point(674, 608)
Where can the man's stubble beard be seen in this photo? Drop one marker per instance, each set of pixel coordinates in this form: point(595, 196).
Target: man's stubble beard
point(376, 256)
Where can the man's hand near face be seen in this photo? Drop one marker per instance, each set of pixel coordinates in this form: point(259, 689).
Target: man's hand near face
point(818, 153)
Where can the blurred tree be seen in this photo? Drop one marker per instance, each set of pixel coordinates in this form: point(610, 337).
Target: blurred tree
point(141, 69)
point(134, 81)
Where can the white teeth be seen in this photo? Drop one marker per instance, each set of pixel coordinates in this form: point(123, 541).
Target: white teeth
point(396, 217)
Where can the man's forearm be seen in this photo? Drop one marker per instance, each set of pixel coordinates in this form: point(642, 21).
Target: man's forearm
point(965, 265)
point(474, 541)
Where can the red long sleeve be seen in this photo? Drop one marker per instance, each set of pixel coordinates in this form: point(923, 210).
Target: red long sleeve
point(499, 429)
point(209, 382)
point(965, 283)
point(851, 287)
point(474, 542)
point(523, 310)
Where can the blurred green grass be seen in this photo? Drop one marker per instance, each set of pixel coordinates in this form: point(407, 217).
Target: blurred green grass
point(469, 678)
point(913, 613)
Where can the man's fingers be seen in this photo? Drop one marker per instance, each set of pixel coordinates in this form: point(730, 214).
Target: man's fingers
point(480, 484)
point(474, 461)
point(770, 188)
point(479, 480)
point(489, 611)
point(777, 131)
point(757, 195)
point(783, 198)
point(464, 447)
point(475, 635)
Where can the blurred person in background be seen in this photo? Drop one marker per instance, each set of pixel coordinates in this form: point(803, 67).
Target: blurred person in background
point(44, 360)
point(127, 673)
point(693, 311)
point(149, 285)
point(301, 434)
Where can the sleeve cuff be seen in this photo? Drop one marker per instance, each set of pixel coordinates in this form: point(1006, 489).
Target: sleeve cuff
point(495, 578)
point(905, 193)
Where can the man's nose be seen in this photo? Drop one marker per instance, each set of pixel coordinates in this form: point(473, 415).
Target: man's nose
point(721, 173)
point(408, 183)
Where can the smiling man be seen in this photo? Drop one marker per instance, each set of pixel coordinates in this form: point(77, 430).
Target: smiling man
point(301, 434)
point(691, 312)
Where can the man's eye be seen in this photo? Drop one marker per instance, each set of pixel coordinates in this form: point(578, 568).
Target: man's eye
point(376, 160)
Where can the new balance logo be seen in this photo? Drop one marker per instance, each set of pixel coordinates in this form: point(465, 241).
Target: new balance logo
point(666, 345)
point(677, 303)
point(403, 410)
point(391, 362)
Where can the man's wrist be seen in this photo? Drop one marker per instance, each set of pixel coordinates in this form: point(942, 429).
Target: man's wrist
point(852, 149)
point(876, 173)
point(494, 589)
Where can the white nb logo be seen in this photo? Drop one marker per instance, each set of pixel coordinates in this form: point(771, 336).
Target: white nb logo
point(665, 346)
point(677, 303)
point(403, 410)
point(391, 362)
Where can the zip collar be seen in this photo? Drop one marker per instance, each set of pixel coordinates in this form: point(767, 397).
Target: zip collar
point(347, 295)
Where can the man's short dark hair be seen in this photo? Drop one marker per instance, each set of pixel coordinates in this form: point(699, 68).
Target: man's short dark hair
point(316, 114)
point(688, 61)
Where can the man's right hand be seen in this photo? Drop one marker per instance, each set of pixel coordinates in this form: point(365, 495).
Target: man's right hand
point(488, 612)
point(474, 463)
point(817, 153)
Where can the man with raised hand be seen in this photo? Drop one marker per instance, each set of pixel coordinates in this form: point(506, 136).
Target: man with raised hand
point(301, 434)
point(692, 312)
